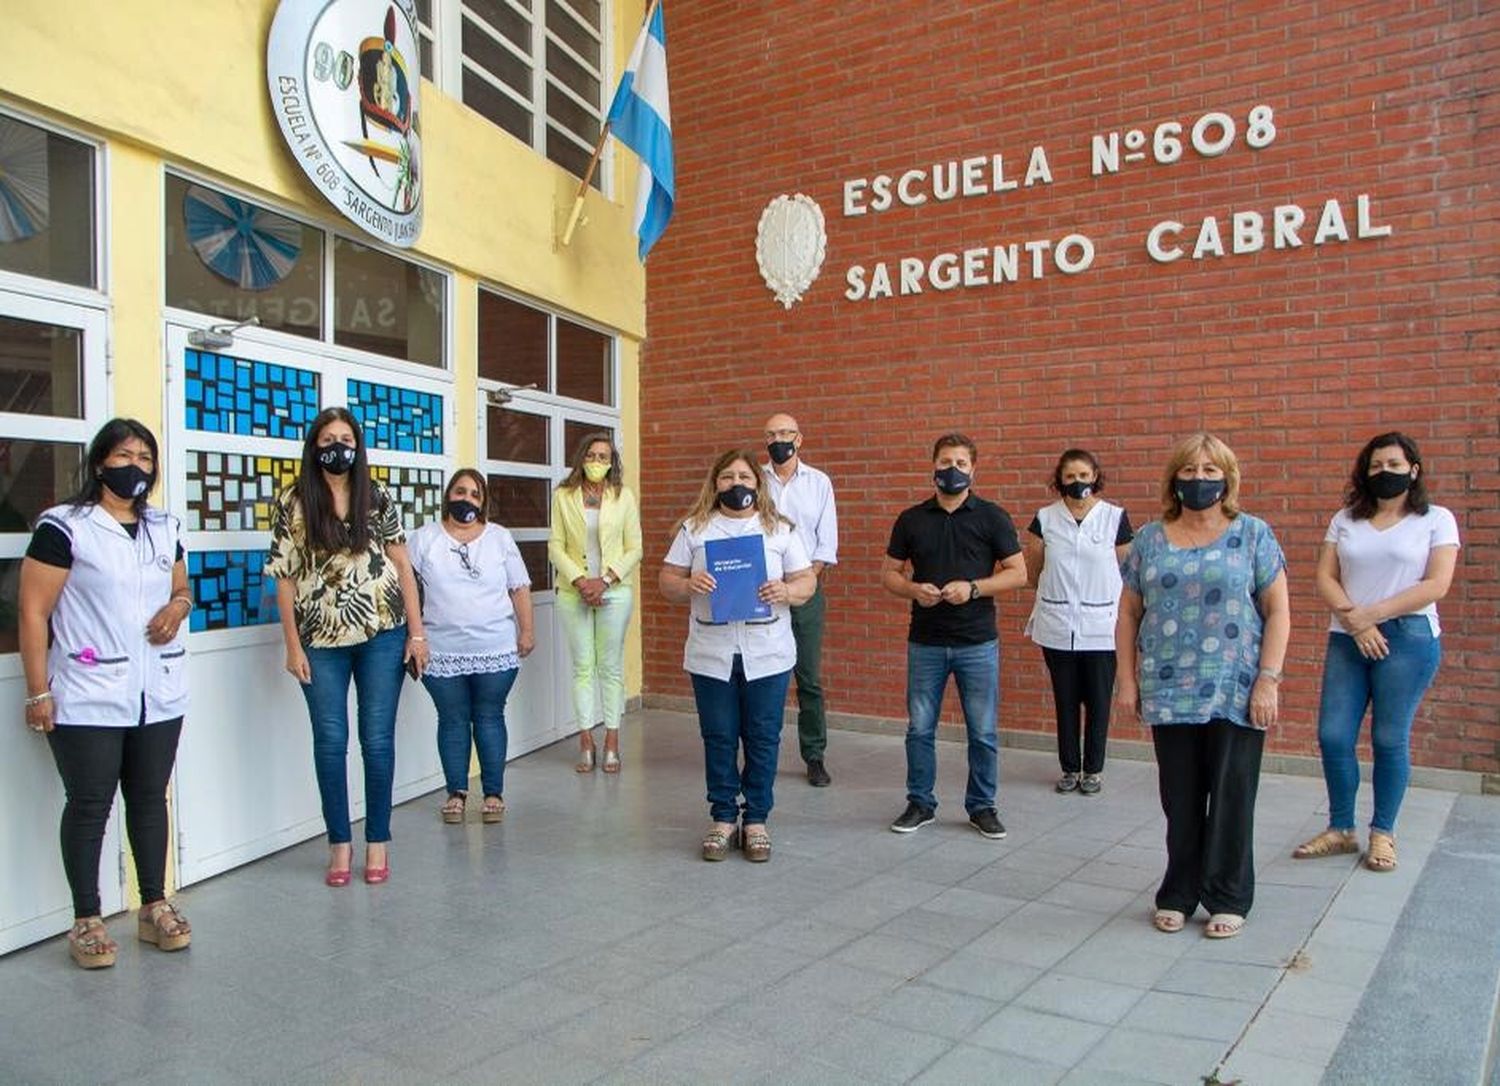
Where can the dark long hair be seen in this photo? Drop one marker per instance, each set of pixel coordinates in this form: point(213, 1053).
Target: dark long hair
point(110, 437)
point(616, 477)
point(325, 532)
point(1360, 500)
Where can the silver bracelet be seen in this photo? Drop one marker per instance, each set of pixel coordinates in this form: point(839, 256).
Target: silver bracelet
point(37, 699)
point(1270, 673)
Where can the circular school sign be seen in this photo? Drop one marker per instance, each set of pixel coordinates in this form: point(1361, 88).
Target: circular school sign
point(344, 85)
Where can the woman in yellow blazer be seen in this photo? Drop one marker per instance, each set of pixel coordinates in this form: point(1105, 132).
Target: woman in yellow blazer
point(595, 546)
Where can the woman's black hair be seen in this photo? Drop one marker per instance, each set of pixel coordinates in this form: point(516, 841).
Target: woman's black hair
point(325, 532)
point(1083, 456)
point(1360, 500)
point(110, 437)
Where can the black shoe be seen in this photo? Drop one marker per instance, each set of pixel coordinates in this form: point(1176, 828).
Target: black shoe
point(913, 818)
point(1090, 784)
point(1068, 782)
point(817, 775)
point(987, 822)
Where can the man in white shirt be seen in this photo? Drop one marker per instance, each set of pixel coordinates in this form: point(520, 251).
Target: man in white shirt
point(804, 495)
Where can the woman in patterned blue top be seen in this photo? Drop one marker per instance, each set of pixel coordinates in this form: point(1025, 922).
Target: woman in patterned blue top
point(1202, 634)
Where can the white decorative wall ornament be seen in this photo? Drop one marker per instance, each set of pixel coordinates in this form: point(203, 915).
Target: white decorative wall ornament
point(789, 246)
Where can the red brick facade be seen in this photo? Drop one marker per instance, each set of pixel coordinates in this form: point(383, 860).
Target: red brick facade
point(1293, 355)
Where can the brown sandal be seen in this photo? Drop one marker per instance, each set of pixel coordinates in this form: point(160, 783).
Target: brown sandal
point(452, 809)
point(1382, 853)
point(493, 810)
point(164, 926)
point(90, 944)
point(717, 843)
point(757, 844)
point(1330, 842)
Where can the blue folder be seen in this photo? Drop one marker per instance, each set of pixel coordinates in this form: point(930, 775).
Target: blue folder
point(739, 567)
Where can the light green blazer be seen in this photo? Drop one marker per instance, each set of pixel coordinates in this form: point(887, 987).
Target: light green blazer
point(619, 535)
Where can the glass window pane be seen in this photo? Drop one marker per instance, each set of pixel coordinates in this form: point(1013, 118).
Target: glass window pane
point(517, 502)
point(426, 60)
point(505, 19)
point(41, 369)
point(10, 586)
point(496, 107)
point(584, 369)
point(424, 12)
point(46, 204)
point(482, 48)
point(534, 554)
point(570, 115)
point(34, 476)
point(569, 30)
point(588, 10)
point(567, 154)
point(574, 431)
point(387, 305)
point(515, 435)
point(229, 258)
point(512, 342)
point(569, 72)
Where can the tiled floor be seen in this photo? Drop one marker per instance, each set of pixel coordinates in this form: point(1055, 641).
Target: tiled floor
point(583, 940)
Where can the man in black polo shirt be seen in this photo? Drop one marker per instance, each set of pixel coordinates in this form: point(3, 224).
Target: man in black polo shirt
point(943, 556)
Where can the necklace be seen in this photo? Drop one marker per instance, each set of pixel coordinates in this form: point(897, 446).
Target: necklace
point(592, 498)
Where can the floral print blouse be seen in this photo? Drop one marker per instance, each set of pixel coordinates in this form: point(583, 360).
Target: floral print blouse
point(343, 597)
point(1199, 641)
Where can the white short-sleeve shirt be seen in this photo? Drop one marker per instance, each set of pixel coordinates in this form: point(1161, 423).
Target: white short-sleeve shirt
point(466, 607)
point(1377, 564)
point(765, 646)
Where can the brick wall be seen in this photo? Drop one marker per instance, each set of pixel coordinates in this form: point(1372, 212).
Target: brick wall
point(1295, 356)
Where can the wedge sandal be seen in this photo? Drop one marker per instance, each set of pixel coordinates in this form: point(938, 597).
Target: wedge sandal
point(1328, 843)
point(493, 810)
point(1381, 855)
point(1224, 926)
point(717, 843)
point(1169, 921)
point(163, 926)
point(90, 945)
point(757, 845)
point(452, 809)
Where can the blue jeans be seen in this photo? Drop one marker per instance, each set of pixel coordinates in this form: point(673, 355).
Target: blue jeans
point(738, 713)
point(1392, 689)
point(471, 709)
point(375, 667)
point(976, 670)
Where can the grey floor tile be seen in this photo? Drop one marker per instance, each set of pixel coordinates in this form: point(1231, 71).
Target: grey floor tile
point(881, 1051)
point(749, 964)
point(1221, 980)
point(935, 928)
point(540, 1060)
point(1199, 1016)
point(1045, 1038)
point(1303, 994)
point(617, 1031)
point(1088, 1000)
point(978, 905)
point(1089, 897)
point(806, 935)
point(1038, 935)
point(836, 984)
point(970, 1065)
point(1292, 1036)
point(1255, 1068)
point(900, 957)
point(975, 974)
point(1155, 1057)
point(933, 1010)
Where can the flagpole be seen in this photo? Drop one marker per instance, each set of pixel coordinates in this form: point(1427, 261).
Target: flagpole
point(588, 174)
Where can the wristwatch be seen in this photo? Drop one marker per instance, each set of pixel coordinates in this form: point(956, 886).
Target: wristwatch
point(973, 591)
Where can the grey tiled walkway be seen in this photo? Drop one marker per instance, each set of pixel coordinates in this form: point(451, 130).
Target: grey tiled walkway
point(583, 940)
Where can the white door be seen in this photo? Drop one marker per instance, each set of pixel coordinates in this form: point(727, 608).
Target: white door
point(53, 397)
point(528, 445)
point(245, 785)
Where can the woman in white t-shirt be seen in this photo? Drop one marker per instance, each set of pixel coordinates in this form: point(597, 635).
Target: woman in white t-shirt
point(740, 667)
point(476, 607)
point(1386, 560)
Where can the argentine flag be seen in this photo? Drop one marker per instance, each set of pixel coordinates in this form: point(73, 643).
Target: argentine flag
point(641, 118)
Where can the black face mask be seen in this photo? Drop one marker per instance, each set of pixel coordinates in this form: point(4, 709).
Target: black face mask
point(951, 480)
point(127, 481)
point(336, 459)
point(1077, 491)
point(1390, 484)
point(1200, 494)
point(781, 451)
point(737, 498)
point(464, 512)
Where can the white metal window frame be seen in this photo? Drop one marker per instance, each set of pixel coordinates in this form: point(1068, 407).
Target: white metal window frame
point(558, 410)
point(445, 34)
point(327, 285)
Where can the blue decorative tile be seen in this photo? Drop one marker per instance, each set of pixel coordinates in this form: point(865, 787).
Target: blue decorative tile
point(226, 395)
point(398, 418)
point(230, 590)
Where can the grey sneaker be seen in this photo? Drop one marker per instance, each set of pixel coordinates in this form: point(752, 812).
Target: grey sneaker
point(988, 823)
point(1068, 782)
point(1090, 784)
point(913, 818)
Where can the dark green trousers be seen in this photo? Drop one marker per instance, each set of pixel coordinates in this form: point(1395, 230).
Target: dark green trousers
point(812, 721)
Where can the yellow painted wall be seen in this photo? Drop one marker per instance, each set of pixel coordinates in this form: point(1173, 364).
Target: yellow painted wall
point(184, 84)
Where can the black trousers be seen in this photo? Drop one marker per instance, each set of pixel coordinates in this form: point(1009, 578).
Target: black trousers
point(1082, 685)
point(93, 762)
point(1208, 775)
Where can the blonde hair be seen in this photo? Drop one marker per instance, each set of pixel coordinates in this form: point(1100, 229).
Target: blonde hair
point(708, 494)
point(1187, 452)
